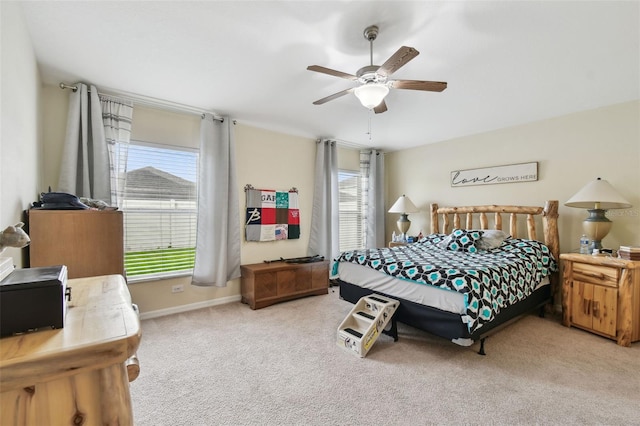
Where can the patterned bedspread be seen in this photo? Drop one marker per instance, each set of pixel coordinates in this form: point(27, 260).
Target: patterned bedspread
point(490, 279)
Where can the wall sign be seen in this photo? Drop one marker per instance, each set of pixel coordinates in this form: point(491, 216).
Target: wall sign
point(512, 173)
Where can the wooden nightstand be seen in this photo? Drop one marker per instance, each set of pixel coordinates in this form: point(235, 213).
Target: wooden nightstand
point(601, 294)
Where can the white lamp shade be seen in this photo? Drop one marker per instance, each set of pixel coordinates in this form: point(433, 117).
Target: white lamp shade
point(598, 194)
point(370, 95)
point(403, 205)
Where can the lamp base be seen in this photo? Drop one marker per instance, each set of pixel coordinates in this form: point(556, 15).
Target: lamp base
point(403, 224)
point(596, 227)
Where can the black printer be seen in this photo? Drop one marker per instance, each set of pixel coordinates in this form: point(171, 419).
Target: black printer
point(33, 299)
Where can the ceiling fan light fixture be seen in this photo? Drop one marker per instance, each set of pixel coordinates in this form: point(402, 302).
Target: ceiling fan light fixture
point(374, 80)
point(371, 95)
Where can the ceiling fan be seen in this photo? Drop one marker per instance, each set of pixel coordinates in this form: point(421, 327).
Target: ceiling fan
point(374, 80)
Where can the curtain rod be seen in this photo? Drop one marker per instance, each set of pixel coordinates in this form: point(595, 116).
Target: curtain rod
point(152, 102)
point(352, 145)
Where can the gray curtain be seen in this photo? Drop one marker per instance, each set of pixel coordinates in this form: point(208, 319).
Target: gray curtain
point(84, 170)
point(372, 172)
point(324, 237)
point(116, 116)
point(218, 230)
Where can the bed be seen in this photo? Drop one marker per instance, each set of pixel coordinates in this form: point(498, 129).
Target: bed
point(465, 280)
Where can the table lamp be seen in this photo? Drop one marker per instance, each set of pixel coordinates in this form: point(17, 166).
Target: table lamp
point(597, 197)
point(403, 206)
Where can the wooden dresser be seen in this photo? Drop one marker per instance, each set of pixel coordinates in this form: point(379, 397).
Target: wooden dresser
point(264, 284)
point(76, 375)
point(601, 294)
point(88, 242)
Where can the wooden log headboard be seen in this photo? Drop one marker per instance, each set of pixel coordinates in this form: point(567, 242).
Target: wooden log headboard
point(451, 219)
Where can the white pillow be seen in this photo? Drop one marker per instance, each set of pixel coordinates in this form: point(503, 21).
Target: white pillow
point(491, 238)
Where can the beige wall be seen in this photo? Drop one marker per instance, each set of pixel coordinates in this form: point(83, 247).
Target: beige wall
point(55, 107)
point(570, 150)
point(265, 159)
point(20, 159)
point(348, 159)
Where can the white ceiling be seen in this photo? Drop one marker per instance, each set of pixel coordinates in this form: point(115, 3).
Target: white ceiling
point(506, 63)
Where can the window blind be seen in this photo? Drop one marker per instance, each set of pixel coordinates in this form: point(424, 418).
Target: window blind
point(158, 197)
point(350, 210)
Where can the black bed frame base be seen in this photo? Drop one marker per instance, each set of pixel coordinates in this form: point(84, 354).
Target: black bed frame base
point(393, 330)
point(446, 324)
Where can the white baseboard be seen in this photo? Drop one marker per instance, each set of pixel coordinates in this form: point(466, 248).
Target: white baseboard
point(189, 307)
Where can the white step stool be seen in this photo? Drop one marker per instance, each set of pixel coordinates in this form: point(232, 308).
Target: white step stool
point(362, 327)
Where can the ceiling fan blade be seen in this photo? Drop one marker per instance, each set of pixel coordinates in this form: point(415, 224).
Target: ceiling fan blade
point(318, 68)
point(431, 86)
point(332, 97)
point(397, 60)
point(382, 107)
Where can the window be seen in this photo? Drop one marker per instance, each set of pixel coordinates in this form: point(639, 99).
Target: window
point(158, 197)
point(350, 207)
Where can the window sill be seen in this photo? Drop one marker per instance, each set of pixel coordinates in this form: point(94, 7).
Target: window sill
point(158, 277)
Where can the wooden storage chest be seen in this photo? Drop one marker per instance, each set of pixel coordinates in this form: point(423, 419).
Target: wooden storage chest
point(264, 284)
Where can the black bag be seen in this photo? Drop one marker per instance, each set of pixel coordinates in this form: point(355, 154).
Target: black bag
point(61, 201)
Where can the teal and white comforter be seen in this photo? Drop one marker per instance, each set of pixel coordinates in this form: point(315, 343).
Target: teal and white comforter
point(490, 280)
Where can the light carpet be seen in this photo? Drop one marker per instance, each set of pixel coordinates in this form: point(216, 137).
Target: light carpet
point(229, 365)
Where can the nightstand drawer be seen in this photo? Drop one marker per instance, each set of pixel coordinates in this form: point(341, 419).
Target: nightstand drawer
point(596, 274)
